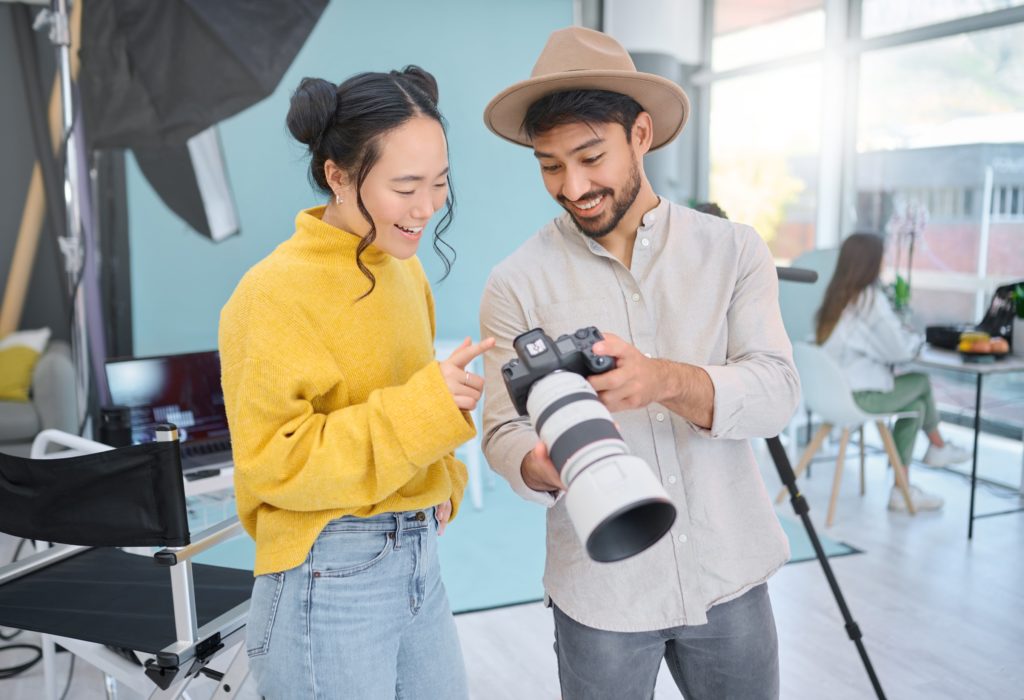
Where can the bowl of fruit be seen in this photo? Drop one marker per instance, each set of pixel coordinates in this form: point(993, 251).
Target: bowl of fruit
point(977, 346)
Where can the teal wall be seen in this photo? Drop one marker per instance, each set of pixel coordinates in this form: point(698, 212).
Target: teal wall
point(475, 48)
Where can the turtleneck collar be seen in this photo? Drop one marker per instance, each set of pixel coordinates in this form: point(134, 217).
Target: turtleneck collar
point(316, 238)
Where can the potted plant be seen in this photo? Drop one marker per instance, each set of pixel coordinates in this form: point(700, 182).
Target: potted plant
point(1017, 334)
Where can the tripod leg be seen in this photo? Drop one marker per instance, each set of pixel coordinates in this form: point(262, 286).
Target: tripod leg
point(812, 449)
point(838, 479)
point(800, 507)
point(902, 483)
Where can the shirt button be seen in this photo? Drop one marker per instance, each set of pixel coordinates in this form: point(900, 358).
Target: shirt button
point(645, 242)
point(660, 417)
point(682, 538)
point(648, 355)
point(672, 479)
point(636, 297)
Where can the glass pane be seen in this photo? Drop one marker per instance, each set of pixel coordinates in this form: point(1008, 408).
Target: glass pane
point(764, 132)
point(751, 31)
point(939, 120)
point(889, 16)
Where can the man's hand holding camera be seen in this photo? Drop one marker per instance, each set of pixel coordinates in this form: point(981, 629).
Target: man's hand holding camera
point(638, 381)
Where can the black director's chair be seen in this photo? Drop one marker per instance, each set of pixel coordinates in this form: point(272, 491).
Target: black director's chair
point(151, 622)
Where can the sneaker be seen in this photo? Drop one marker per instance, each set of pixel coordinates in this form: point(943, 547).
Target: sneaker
point(922, 500)
point(946, 455)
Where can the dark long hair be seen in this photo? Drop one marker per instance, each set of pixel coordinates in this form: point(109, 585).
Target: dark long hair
point(858, 266)
point(344, 123)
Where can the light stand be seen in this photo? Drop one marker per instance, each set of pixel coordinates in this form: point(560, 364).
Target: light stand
point(800, 507)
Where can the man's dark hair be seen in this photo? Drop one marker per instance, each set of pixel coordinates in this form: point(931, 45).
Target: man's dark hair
point(587, 106)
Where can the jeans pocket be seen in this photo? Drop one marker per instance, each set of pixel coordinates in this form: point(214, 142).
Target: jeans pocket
point(266, 594)
point(341, 553)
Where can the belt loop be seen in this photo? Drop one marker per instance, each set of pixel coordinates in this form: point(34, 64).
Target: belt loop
point(398, 530)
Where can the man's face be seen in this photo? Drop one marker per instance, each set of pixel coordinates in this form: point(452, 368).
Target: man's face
point(592, 171)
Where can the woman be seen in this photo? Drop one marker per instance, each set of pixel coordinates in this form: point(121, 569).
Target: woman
point(857, 326)
point(343, 425)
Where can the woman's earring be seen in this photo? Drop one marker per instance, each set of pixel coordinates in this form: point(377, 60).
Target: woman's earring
point(339, 199)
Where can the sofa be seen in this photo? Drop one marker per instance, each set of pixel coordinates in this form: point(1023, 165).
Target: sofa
point(51, 404)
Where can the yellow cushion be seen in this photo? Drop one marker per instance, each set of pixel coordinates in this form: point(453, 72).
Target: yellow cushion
point(16, 365)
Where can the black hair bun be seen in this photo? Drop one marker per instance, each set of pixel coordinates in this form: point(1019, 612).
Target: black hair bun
point(313, 106)
point(422, 80)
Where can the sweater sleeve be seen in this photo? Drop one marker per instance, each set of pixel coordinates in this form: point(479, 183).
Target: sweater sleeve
point(296, 458)
point(457, 472)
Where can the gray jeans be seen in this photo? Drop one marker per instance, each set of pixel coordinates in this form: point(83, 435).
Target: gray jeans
point(735, 656)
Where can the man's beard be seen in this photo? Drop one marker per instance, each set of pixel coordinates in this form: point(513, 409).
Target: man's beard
point(619, 206)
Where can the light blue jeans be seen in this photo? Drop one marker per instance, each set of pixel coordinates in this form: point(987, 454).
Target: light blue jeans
point(366, 616)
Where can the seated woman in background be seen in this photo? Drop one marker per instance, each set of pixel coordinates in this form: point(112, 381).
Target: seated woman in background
point(857, 326)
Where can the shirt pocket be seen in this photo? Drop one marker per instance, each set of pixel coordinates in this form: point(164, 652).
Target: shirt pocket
point(564, 317)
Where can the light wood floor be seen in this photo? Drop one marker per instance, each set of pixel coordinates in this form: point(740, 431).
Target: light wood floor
point(942, 618)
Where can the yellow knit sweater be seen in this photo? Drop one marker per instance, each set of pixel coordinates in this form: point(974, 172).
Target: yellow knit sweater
point(336, 406)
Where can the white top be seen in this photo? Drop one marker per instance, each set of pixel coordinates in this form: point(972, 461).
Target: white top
point(869, 339)
point(703, 291)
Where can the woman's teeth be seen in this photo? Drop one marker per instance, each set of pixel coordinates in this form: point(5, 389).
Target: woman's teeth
point(414, 231)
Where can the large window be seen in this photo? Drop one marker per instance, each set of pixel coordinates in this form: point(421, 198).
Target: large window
point(889, 16)
point(754, 31)
point(824, 123)
point(764, 146)
point(941, 128)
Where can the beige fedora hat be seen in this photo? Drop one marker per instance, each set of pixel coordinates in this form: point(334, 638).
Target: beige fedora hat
point(583, 59)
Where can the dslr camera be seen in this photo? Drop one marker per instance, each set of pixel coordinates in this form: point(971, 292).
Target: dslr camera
point(616, 504)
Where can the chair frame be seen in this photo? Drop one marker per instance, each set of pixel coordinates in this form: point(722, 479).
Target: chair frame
point(854, 422)
point(168, 673)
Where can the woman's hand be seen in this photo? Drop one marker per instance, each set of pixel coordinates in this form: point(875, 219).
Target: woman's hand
point(443, 513)
point(465, 386)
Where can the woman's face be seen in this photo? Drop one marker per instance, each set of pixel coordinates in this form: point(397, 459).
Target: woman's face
point(404, 188)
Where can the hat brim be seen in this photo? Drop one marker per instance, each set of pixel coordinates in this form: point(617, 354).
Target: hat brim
point(665, 101)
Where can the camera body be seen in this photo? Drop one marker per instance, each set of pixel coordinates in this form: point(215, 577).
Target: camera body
point(539, 356)
point(617, 505)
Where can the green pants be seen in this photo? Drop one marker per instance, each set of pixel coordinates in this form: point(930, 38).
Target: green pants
point(912, 392)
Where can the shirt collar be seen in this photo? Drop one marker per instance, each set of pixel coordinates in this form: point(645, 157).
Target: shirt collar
point(653, 225)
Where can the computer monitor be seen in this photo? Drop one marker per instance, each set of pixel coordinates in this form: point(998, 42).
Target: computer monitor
point(181, 389)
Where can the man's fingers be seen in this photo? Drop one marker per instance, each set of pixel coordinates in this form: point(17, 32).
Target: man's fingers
point(612, 345)
point(465, 353)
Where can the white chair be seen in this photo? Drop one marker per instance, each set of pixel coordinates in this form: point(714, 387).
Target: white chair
point(827, 393)
point(799, 301)
point(471, 451)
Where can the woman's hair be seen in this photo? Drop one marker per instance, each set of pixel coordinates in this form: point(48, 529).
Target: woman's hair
point(344, 124)
point(860, 260)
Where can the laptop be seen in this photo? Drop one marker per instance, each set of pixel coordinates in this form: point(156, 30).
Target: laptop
point(998, 320)
point(181, 389)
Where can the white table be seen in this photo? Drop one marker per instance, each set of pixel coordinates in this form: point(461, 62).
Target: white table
point(950, 360)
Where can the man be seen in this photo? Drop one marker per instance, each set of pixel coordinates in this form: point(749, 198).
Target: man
point(688, 306)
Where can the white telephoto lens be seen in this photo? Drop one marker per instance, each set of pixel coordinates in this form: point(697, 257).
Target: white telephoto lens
point(616, 504)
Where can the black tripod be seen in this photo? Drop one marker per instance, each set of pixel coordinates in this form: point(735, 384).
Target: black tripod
point(801, 508)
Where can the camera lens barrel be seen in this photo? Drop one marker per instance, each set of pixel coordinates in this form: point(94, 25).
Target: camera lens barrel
point(615, 502)
point(571, 420)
